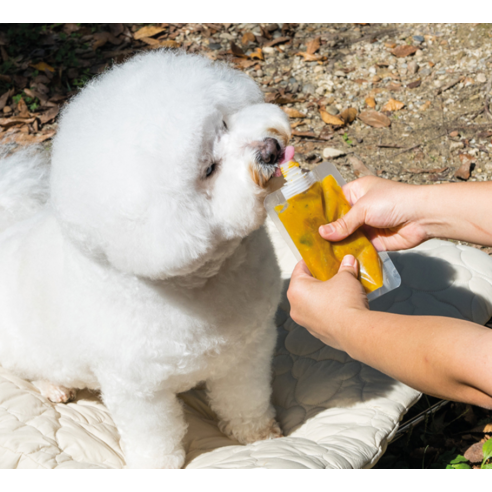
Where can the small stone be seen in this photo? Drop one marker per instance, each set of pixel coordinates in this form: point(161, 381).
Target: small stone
point(418, 39)
point(268, 50)
point(419, 53)
point(7, 109)
point(308, 89)
point(425, 71)
point(488, 168)
point(481, 78)
point(320, 91)
point(330, 153)
point(455, 145)
point(412, 68)
point(333, 110)
point(339, 73)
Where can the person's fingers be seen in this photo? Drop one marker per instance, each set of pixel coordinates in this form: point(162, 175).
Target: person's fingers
point(349, 264)
point(344, 226)
point(301, 270)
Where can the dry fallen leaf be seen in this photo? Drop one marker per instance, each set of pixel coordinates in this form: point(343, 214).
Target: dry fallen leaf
point(313, 46)
point(374, 118)
point(22, 108)
point(9, 122)
point(416, 170)
point(237, 51)
point(293, 113)
point(310, 57)
point(404, 50)
point(370, 102)
point(392, 105)
point(297, 133)
point(390, 45)
point(150, 41)
point(276, 41)
point(425, 106)
point(49, 115)
point(464, 171)
point(414, 84)
point(348, 115)
point(394, 86)
point(360, 81)
point(240, 62)
point(360, 169)
point(168, 43)
point(99, 40)
point(248, 37)
point(22, 138)
point(148, 32)
point(4, 98)
point(257, 54)
point(454, 134)
point(329, 119)
point(42, 66)
point(474, 454)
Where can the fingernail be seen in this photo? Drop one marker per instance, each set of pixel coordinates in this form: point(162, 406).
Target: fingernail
point(348, 260)
point(327, 229)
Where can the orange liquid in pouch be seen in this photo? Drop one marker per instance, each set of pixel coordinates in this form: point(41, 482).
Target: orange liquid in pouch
point(321, 204)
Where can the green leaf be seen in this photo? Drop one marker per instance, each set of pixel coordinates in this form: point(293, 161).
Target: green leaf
point(487, 450)
point(488, 466)
point(459, 459)
point(462, 466)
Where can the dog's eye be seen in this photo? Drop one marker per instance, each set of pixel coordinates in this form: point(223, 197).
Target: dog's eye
point(210, 170)
point(225, 125)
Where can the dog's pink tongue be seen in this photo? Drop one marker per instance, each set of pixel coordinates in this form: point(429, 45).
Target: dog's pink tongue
point(288, 156)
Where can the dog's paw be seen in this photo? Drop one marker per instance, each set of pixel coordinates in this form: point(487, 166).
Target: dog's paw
point(248, 431)
point(54, 393)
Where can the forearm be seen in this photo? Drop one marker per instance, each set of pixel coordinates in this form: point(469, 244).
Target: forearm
point(443, 357)
point(461, 211)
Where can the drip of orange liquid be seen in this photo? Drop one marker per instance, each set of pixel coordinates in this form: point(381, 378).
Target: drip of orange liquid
point(322, 203)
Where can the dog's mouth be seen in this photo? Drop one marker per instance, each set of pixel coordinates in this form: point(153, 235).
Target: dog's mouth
point(269, 155)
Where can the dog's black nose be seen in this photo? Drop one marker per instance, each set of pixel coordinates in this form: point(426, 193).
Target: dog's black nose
point(270, 151)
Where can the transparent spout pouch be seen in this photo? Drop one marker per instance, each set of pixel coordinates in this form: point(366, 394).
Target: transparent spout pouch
point(309, 200)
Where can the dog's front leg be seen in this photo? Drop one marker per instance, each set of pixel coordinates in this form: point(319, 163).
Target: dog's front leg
point(241, 397)
point(151, 427)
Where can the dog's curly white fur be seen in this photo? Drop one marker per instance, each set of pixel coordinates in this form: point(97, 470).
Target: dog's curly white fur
point(147, 269)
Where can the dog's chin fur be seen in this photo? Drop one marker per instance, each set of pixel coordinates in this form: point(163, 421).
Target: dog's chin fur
point(140, 275)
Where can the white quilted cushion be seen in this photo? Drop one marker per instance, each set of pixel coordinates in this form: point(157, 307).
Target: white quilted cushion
point(335, 412)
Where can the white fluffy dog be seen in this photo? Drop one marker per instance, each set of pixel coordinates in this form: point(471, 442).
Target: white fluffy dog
point(147, 270)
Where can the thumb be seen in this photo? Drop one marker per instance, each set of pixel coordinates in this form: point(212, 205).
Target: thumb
point(344, 226)
point(301, 270)
point(349, 264)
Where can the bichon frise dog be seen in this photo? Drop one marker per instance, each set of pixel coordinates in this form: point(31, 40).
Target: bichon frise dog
point(147, 270)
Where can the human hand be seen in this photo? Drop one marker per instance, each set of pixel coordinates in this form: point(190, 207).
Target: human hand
point(389, 213)
point(326, 309)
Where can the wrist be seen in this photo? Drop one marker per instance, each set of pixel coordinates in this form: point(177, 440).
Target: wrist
point(428, 213)
point(350, 328)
